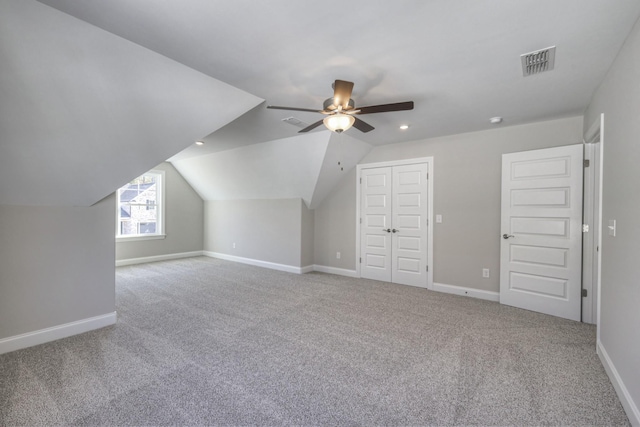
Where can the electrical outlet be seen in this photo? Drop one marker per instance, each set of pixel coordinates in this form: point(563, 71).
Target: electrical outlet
point(234, 245)
point(439, 218)
point(485, 273)
point(337, 255)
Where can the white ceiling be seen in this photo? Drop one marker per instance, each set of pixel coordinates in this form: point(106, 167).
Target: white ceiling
point(261, 171)
point(302, 166)
point(79, 102)
point(83, 111)
point(459, 60)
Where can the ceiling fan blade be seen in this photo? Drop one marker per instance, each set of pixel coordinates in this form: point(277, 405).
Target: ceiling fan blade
point(383, 108)
point(311, 127)
point(342, 93)
point(275, 107)
point(362, 126)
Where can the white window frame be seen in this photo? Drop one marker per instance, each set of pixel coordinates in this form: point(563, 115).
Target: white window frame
point(160, 206)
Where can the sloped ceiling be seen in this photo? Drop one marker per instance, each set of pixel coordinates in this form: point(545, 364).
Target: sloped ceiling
point(248, 129)
point(303, 166)
point(343, 154)
point(108, 105)
point(458, 60)
point(83, 111)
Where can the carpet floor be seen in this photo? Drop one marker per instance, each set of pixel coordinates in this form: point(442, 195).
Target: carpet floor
point(202, 341)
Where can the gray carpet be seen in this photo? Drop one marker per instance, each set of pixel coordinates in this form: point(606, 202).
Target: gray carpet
point(202, 341)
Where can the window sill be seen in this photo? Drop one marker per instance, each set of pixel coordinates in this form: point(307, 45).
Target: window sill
point(138, 237)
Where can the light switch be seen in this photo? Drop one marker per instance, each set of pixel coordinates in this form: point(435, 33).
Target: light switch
point(438, 219)
point(612, 227)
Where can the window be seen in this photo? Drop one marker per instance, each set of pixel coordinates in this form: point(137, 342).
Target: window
point(140, 207)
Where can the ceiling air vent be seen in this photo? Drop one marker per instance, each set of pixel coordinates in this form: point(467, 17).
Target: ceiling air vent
point(538, 61)
point(295, 122)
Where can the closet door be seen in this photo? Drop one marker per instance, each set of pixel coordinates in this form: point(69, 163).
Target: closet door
point(375, 231)
point(393, 231)
point(409, 225)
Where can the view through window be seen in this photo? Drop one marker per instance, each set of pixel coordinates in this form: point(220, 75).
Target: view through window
point(139, 210)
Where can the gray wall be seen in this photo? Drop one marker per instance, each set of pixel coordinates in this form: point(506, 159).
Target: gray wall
point(306, 235)
point(265, 230)
point(56, 265)
point(184, 221)
point(618, 98)
point(335, 226)
point(466, 193)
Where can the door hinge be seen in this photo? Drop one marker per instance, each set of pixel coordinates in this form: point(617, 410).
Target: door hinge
point(427, 268)
point(427, 222)
point(586, 163)
point(360, 180)
point(427, 175)
point(584, 293)
point(585, 228)
point(360, 260)
point(360, 220)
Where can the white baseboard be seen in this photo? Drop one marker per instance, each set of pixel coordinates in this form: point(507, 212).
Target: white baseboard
point(260, 263)
point(307, 269)
point(166, 257)
point(42, 336)
point(630, 407)
point(335, 270)
point(468, 292)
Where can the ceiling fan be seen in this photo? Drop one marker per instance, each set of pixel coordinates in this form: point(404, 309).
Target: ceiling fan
point(340, 110)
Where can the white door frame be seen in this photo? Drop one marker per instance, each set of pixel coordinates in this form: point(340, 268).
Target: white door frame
point(592, 284)
point(429, 162)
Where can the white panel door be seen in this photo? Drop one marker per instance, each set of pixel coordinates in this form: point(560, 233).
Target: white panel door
point(409, 225)
point(375, 231)
point(541, 244)
point(393, 231)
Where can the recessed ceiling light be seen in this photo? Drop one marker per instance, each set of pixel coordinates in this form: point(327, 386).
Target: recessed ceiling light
point(404, 127)
point(495, 120)
point(199, 143)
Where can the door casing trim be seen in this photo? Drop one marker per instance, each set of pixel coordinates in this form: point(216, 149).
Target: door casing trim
point(595, 134)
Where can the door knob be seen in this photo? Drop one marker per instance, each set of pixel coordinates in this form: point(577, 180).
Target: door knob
point(395, 231)
point(506, 236)
point(388, 230)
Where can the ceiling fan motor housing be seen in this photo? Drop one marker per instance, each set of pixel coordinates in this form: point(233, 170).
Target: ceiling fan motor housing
point(330, 105)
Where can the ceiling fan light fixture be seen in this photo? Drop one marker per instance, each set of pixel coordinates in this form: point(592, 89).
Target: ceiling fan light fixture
point(339, 122)
point(340, 109)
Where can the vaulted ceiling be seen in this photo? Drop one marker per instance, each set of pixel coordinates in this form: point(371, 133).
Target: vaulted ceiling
point(305, 166)
point(83, 111)
point(459, 60)
point(157, 75)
